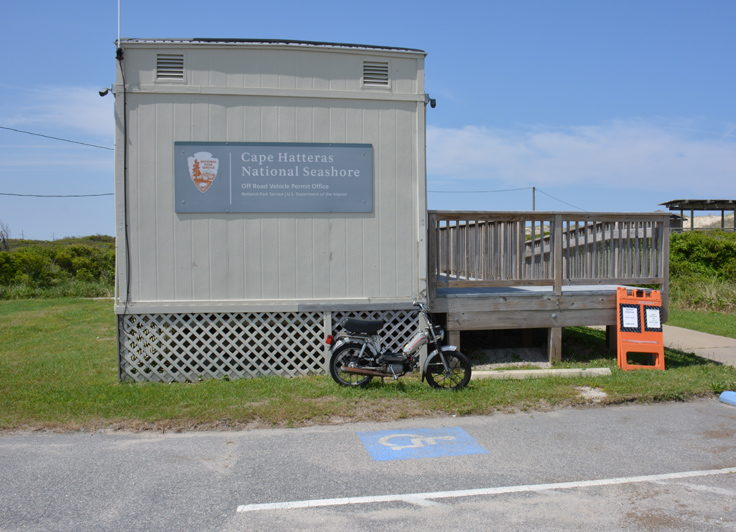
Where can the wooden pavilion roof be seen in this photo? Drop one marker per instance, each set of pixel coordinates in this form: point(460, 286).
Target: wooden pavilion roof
point(700, 205)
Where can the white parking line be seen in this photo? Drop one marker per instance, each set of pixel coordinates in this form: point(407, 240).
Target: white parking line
point(423, 498)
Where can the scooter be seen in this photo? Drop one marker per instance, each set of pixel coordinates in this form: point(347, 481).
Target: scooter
point(357, 358)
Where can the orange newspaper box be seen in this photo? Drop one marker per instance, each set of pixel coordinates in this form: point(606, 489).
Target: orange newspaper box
point(639, 328)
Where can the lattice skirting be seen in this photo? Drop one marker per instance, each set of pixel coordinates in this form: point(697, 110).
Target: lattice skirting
point(196, 346)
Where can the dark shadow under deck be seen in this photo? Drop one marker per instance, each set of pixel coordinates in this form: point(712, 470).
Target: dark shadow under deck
point(525, 307)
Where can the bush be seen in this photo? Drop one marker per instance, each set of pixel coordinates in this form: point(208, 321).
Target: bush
point(85, 265)
point(703, 270)
point(8, 268)
point(33, 267)
point(703, 254)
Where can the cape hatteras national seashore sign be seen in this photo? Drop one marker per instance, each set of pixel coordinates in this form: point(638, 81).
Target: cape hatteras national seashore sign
point(272, 177)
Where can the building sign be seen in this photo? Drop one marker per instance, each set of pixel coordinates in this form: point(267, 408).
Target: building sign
point(273, 177)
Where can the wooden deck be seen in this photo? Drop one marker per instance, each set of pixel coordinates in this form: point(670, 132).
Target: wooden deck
point(495, 270)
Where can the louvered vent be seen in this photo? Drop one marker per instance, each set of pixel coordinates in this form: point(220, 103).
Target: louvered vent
point(375, 73)
point(169, 66)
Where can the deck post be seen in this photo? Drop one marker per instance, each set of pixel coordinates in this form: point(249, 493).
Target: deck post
point(665, 270)
point(453, 338)
point(554, 343)
point(433, 264)
point(611, 340)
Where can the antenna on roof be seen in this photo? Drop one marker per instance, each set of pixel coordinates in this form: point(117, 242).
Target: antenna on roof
point(117, 43)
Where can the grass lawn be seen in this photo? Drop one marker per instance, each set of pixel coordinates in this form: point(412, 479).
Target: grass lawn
point(722, 324)
point(58, 370)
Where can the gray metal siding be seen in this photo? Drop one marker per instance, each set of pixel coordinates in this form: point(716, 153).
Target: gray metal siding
point(256, 68)
point(269, 258)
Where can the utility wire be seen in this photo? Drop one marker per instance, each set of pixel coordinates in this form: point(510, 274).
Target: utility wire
point(57, 138)
point(561, 200)
point(57, 195)
point(477, 191)
point(505, 190)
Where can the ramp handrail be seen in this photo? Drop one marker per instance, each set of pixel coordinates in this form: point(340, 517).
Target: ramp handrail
point(486, 249)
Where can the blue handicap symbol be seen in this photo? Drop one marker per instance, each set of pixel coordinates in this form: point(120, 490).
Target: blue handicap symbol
point(419, 443)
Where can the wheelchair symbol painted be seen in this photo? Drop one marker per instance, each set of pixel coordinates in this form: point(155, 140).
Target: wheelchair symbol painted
point(419, 443)
point(416, 441)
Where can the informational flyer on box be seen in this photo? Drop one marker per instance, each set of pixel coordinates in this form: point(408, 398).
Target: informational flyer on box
point(272, 177)
point(630, 317)
point(652, 319)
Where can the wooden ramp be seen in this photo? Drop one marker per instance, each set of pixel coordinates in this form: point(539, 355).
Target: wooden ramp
point(516, 270)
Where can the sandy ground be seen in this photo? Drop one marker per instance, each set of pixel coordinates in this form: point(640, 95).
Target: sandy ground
point(709, 221)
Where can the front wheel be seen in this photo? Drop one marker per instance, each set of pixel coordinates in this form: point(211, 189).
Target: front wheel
point(454, 377)
point(344, 356)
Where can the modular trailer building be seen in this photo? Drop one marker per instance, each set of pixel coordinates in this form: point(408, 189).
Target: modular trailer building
point(265, 190)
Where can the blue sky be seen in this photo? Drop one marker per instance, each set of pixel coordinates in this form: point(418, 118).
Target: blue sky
point(607, 105)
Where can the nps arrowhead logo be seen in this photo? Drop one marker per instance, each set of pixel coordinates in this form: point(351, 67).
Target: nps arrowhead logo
point(203, 170)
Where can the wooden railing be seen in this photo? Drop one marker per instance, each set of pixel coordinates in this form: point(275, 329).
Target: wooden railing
point(485, 249)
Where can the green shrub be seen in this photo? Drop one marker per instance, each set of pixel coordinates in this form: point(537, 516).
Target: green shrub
point(33, 267)
point(703, 254)
point(72, 266)
point(8, 268)
point(703, 270)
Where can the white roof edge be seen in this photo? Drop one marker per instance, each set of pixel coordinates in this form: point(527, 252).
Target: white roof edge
point(269, 42)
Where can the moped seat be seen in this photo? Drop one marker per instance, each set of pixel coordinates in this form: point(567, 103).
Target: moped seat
point(363, 326)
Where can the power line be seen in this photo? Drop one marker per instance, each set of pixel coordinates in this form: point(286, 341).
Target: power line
point(506, 190)
point(478, 191)
point(561, 200)
point(57, 138)
point(57, 195)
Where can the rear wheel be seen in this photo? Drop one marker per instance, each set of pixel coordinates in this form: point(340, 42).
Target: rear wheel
point(345, 356)
point(454, 377)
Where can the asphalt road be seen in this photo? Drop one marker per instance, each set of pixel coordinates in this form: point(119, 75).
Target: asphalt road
point(665, 466)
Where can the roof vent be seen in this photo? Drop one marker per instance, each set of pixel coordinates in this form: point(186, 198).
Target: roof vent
point(375, 73)
point(169, 66)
